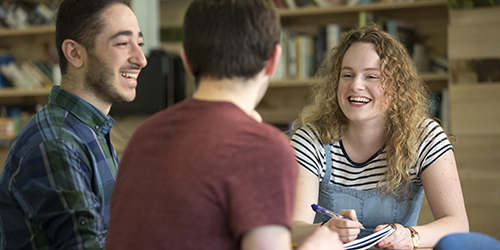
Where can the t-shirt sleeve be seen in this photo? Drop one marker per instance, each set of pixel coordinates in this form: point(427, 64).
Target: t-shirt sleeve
point(261, 189)
point(434, 144)
point(309, 150)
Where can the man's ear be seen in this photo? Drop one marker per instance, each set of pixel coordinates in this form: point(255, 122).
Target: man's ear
point(185, 62)
point(272, 63)
point(74, 52)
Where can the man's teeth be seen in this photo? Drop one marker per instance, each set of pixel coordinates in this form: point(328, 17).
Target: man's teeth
point(359, 100)
point(129, 75)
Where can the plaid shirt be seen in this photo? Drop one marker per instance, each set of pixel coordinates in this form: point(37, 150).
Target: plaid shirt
point(56, 185)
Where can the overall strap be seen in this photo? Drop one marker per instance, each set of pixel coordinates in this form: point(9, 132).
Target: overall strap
point(328, 159)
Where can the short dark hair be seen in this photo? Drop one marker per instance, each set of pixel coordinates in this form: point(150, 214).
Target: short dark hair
point(230, 38)
point(81, 21)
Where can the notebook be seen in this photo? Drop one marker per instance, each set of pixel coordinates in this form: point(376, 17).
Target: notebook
point(370, 240)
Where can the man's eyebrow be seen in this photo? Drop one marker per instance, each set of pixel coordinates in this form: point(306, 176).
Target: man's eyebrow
point(125, 33)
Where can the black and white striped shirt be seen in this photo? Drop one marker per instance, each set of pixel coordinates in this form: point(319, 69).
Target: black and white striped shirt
point(310, 154)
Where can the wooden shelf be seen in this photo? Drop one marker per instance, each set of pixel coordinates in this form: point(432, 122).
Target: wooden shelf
point(31, 30)
point(314, 10)
point(14, 93)
point(428, 77)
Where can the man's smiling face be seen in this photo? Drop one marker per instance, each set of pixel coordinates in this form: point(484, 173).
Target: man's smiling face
point(117, 59)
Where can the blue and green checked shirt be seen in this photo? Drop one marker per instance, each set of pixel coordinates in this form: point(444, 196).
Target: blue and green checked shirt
point(56, 185)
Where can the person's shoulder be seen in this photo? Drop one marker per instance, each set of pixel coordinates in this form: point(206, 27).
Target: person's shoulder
point(431, 126)
point(51, 124)
point(265, 131)
point(307, 132)
point(428, 122)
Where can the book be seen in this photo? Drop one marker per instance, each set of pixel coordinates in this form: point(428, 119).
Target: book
point(19, 78)
point(4, 59)
point(325, 3)
point(33, 71)
point(333, 33)
point(305, 59)
point(282, 71)
point(291, 4)
point(402, 31)
point(370, 240)
point(292, 56)
point(45, 13)
point(320, 50)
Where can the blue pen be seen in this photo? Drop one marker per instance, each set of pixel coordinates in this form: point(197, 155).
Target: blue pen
point(326, 212)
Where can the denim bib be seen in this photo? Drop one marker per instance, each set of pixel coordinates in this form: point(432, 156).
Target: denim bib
point(372, 209)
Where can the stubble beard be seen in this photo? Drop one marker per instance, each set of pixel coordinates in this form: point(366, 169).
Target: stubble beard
point(99, 80)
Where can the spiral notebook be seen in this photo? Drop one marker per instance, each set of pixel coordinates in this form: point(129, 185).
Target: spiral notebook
point(370, 240)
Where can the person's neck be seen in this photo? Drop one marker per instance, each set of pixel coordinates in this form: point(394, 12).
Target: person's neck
point(245, 94)
point(76, 87)
point(364, 137)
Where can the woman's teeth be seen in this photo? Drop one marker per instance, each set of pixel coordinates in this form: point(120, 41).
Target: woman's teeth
point(359, 100)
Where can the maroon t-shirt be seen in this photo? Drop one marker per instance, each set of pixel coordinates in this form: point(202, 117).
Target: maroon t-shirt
point(199, 175)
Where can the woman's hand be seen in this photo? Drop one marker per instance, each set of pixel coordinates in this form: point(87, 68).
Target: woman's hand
point(399, 239)
point(348, 230)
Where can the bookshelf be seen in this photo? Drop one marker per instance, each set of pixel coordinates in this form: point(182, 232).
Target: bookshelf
point(429, 18)
point(29, 31)
point(315, 10)
point(434, 79)
point(30, 43)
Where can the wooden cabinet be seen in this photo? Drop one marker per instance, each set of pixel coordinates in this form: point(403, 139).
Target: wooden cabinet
point(285, 98)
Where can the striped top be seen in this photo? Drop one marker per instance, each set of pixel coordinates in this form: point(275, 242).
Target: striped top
point(56, 185)
point(310, 154)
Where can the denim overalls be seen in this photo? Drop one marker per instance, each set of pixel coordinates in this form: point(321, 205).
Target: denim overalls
point(371, 209)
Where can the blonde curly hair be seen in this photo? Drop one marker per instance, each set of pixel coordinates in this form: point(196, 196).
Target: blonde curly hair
point(408, 106)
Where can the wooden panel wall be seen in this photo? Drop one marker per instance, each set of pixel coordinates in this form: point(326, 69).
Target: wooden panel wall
point(474, 95)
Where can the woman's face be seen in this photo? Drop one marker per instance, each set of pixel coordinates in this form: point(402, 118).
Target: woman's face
point(360, 92)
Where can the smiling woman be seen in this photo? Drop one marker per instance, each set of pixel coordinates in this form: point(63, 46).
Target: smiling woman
point(361, 97)
point(367, 148)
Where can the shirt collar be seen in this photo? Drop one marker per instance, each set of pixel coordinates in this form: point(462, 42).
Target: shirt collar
point(82, 110)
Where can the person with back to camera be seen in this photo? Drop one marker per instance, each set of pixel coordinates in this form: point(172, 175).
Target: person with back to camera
point(367, 148)
point(56, 185)
point(206, 173)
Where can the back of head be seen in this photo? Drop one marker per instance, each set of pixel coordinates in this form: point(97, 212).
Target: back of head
point(230, 38)
point(80, 20)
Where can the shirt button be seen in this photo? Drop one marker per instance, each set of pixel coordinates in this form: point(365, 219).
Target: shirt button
point(96, 127)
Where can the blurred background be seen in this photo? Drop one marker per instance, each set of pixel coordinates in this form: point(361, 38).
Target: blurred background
point(455, 44)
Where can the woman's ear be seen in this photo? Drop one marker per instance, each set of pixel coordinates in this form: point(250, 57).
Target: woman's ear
point(74, 52)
